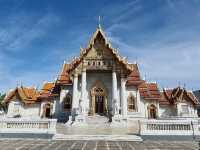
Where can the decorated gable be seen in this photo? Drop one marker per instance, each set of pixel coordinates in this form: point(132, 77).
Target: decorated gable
point(99, 55)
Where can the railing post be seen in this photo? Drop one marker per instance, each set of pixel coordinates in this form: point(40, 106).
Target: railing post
point(195, 128)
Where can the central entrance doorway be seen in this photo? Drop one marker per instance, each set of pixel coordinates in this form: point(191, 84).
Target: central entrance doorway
point(98, 103)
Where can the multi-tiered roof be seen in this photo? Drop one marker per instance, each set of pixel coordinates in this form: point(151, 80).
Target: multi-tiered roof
point(148, 91)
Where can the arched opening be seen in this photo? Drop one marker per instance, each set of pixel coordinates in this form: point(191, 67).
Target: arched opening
point(67, 103)
point(152, 111)
point(47, 110)
point(131, 103)
point(98, 103)
point(99, 100)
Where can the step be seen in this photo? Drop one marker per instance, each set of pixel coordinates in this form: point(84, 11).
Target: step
point(96, 129)
point(98, 137)
point(96, 119)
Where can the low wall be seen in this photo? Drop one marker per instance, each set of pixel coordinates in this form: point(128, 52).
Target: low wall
point(33, 126)
point(188, 127)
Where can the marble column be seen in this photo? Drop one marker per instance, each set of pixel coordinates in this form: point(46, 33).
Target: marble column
point(178, 107)
point(75, 101)
point(83, 88)
point(114, 93)
point(114, 85)
point(123, 98)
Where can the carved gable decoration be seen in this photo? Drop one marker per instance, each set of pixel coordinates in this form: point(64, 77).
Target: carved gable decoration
point(99, 52)
point(100, 55)
point(99, 47)
point(179, 94)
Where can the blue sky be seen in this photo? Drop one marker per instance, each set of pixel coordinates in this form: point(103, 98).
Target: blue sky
point(37, 36)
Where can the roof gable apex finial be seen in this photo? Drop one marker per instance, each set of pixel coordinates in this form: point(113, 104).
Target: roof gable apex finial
point(21, 84)
point(100, 31)
point(99, 22)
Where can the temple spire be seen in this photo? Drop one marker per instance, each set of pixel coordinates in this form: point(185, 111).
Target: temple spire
point(99, 23)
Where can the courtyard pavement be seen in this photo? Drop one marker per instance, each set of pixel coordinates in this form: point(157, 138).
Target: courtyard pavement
point(96, 145)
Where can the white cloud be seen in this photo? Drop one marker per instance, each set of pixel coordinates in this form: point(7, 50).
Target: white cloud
point(10, 81)
point(169, 54)
point(16, 38)
point(19, 31)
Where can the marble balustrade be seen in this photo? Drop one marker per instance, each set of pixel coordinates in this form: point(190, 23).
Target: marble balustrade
point(19, 125)
point(170, 127)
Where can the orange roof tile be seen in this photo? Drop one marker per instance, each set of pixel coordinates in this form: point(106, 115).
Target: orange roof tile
point(164, 100)
point(177, 94)
point(47, 90)
point(26, 95)
point(134, 77)
point(149, 91)
point(99, 34)
point(64, 77)
point(48, 86)
point(193, 97)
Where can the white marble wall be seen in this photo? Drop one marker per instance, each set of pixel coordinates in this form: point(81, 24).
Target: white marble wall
point(59, 112)
point(106, 80)
point(192, 111)
point(139, 113)
point(148, 103)
point(177, 111)
point(18, 108)
point(91, 79)
point(164, 111)
point(167, 111)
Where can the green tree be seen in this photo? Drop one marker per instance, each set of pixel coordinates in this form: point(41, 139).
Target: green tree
point(2, 105)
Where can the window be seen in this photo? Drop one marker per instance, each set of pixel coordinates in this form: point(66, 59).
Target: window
point(131, 103)
point(47, 110)
point(99, 90)
point(67, 103)
point(152, 111)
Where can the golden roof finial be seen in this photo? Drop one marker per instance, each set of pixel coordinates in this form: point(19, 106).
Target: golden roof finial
point(81, 50)
point(99, 25)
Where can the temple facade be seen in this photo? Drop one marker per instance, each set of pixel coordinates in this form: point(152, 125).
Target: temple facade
point(100, 82)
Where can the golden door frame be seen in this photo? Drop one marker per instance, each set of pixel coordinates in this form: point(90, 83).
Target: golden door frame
point(134, 101)
point(48, 105)
point(104, 93)
point(155, 111)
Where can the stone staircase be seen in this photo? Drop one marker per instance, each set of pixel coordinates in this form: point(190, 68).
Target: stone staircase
point(96, 128)
point(97, 121)
point(98, 137)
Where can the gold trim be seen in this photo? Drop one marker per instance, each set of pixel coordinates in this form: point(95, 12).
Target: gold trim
point(152, 106)
point(129, 102)
point(46, 106)
point(98, 84)
point(77, 60)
